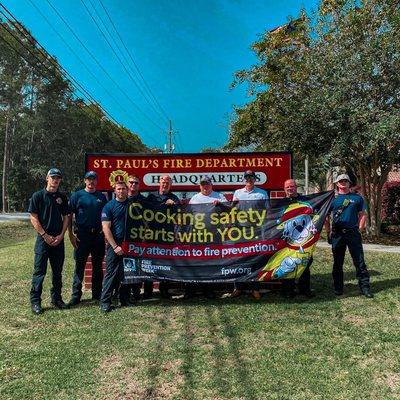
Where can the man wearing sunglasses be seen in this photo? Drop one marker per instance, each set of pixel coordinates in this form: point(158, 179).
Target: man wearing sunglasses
point(249, 192)
point(348, 219)
point(135, 195)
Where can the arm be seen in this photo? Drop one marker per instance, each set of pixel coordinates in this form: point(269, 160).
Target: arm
point(39, 229)
point(362, 219)
point(110, 238)
point(170, 202)
point(327, 226)
point(72, 237)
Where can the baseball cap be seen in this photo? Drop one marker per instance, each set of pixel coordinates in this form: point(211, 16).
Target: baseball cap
point(205, 180)
point(91, 174)
point(54, 172)
point(249, 174)
point(342, 177)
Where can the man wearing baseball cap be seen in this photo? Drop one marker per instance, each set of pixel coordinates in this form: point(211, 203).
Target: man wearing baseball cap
point(249, 192)
point(87, 237)
point(206, 196)
point(49, 217)
point(348, 219)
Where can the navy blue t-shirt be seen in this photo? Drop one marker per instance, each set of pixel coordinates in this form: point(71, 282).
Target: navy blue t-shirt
point(87, 208)
point(348, 219)
point(50, 208)
point(115, 211)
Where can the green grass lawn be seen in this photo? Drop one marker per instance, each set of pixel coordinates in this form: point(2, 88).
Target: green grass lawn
point(323, 348)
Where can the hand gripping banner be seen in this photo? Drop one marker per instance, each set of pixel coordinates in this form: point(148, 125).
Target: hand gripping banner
point(247, 241)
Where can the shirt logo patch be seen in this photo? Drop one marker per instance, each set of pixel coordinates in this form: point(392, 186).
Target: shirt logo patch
point(59, 200)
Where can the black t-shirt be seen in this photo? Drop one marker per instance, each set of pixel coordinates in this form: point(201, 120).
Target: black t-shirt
point(138, 197)
point(156, 197)
point(50, 208)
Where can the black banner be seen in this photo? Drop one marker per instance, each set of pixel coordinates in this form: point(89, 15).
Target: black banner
point(248, 241)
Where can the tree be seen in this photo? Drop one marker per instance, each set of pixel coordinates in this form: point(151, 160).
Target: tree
point(333, 89)
point(43, 123)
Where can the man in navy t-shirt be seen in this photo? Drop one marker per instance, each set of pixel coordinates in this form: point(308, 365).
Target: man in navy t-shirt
point(348, 218)
point(113, 219)
point(86, 206)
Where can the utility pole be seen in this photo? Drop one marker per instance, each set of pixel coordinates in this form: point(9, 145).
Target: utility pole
point(170, 147)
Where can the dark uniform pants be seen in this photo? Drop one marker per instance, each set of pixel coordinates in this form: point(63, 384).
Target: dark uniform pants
point(89, 244)
point(113, 278)
point(44, 253)
point(247, 285)
point(351, 239)
point(303, 283)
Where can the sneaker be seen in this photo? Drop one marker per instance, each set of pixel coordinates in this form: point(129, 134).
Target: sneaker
point(37, 309)
point(367, 293)
point(256, 294)
point(74, 302)
point(127, 304)
point(288, 294)
point(210, 294)
point(308, 293)
point(106, 308)
point(338, 292)
point(236, 293)
point(59, 304)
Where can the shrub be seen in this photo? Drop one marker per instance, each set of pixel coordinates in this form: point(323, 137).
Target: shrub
point(391, 203)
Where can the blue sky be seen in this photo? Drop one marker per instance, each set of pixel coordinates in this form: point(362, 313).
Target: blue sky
point(187, 51)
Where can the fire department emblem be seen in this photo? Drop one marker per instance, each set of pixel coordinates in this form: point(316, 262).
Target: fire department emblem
point(118, 176)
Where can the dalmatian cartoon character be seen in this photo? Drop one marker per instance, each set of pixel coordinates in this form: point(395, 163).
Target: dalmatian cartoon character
point(297, 224)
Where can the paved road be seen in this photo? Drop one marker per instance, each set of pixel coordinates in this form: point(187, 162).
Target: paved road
point(14, 217)
point(325, 245)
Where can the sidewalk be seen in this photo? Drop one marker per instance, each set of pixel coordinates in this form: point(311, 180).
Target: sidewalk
point(368, 247)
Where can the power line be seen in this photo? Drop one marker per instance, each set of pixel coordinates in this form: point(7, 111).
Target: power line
point(44, 75)
point(102, 68)
point(88, 69)
point(133, 61)
point(47, 57)
point(115, 53)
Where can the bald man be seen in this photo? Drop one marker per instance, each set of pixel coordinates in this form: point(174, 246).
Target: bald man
point(162, 196)
point(303, 284)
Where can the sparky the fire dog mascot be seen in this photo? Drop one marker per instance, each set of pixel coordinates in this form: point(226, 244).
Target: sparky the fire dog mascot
point(299, 233)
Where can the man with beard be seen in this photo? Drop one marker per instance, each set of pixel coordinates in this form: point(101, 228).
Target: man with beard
point(86, 206)
point(134, 195)
point(348, 219)
point(113, 219)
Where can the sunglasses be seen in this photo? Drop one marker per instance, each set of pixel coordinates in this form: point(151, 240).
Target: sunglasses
point(134, 183)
